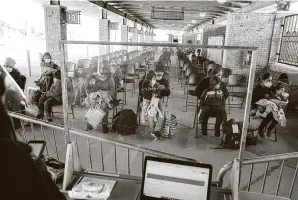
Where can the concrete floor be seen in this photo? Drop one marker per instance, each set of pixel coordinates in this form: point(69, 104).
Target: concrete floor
point(183, 143)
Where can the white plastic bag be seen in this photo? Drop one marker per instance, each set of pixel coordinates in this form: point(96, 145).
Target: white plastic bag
point(94, 116)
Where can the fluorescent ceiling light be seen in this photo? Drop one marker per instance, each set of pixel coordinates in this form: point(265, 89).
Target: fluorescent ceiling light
point(202, 14)
point(193, 21)
point(221, 1)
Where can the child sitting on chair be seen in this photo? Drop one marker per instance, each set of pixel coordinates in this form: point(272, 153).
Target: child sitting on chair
point(213, 100)
point(275, 104)
point(152, 105)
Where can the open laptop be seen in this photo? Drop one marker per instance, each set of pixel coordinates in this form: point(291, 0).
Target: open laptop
point(175, 180)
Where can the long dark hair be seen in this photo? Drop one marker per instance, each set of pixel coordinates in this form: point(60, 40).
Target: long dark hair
point(264, 76)
point(7, 129)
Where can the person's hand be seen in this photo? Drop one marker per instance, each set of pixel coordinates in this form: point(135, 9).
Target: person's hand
point(266, 96)
point(161, 87)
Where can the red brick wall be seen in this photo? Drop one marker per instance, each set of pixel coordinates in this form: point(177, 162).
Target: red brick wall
point(248, 29)
point(211, 32)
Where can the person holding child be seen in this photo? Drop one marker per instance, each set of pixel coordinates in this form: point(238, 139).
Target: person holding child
point(272, 106)
point(213, 100)
point(263, 90)
point(153, 107)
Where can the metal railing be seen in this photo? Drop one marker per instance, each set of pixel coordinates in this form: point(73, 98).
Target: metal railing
point(289, 41)
point(283, 158)
point(118, 149)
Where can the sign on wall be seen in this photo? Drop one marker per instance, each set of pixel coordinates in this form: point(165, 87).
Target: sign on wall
point(114, 25)
point(73, 17)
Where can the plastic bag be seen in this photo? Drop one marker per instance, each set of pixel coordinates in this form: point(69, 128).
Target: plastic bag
point(94, 116)
point(90, 190)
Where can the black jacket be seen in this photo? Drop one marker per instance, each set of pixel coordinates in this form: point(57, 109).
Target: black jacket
point(259, 92)
point(19, 78)
point(165, 92)
point(213, 97)
point(202, 86)
point(22, 178)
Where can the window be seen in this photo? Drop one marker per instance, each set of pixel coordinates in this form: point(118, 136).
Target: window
point(289, 42)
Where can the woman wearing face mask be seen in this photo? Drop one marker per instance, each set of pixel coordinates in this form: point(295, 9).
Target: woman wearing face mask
point(49, 68)
point(104, 83)
point(262, 91)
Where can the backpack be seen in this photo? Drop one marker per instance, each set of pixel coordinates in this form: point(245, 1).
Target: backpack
point(232, 132)
point(125, 122)
point(169, 125)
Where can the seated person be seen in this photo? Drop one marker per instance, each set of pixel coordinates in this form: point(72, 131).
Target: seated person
point(104, 82)
point(80, 87)
point(15, 74)
point(49, 67)
point(213, 100)
point(150, 90)
point(277, 101)
point(50, 98)
point(163, 82)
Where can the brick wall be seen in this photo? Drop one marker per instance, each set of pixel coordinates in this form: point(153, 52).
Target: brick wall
point(55, 31)
point(211, 32)
point(248, 29)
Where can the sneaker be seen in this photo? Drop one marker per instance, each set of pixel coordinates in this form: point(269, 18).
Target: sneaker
point(261, 133)
point(88, 127)
point(105, 128)
point(153, 134)
point(39, 116)
point(269, 133)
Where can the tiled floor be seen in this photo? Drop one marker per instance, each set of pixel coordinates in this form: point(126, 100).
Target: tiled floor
point(184, 142)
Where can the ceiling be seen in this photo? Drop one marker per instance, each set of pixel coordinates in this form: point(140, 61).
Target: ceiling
point(192, 11)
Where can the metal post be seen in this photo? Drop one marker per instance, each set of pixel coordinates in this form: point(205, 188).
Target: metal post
point(251, 80)
point(64, 94)
point(28, 62)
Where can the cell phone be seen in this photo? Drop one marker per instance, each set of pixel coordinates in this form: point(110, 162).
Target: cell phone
point(38, 147)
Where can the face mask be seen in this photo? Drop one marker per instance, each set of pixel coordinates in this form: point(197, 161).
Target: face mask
point(153, 82)
point(47, 60)
point(268, 84)
point(9, 69)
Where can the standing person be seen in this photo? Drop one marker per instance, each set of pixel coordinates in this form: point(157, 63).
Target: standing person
point(79, 87)
point(213, 100)
point(50, 98)
point(21, 171)
point(213, 70)
point(262, 91)
point(20, 79)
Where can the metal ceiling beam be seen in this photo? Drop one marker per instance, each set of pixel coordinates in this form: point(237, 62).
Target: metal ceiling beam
point(110, 8)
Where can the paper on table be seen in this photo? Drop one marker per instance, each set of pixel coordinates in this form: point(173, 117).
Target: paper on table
point(78, 192)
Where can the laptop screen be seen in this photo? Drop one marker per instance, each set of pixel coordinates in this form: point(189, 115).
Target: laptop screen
point(174, 181)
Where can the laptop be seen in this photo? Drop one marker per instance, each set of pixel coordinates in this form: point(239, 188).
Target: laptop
point(176, 180)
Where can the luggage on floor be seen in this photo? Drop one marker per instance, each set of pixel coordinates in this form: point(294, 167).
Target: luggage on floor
point(94, 116)
point(55, 168)
point(34, 95)
point(125, 122)
point(169, 125)
point(232, 131)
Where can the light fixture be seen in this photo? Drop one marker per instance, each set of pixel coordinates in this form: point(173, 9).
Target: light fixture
point(193, 21)
point(202, 14)
point(221, 1)
point(188, 24)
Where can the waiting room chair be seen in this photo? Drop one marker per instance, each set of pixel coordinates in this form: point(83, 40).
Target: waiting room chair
point(226, 72)
point(70, 91)
point(189, 70)
point(83, 63)
point(194, 79)
point(237, 81)
point(129, 77)
point(70, 67)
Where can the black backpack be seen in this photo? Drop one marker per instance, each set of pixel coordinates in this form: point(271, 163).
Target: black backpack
point(231, 136)
point(125, 122)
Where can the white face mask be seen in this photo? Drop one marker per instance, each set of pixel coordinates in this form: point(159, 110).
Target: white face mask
point(268, 84)
point(47, 60)
point(153, 82)
point(9, 69)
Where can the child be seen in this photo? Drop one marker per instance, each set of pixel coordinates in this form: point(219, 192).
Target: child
point(150, 90)
point(213, 100)
point(275, 104)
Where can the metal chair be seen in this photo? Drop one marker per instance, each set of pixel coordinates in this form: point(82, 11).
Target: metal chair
point(194, 79)
point(189, 70)
point(237, 81)
point(182, 77)
point(129, 78)
point(226, 72)
point(83, 63)
point(70, 67)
